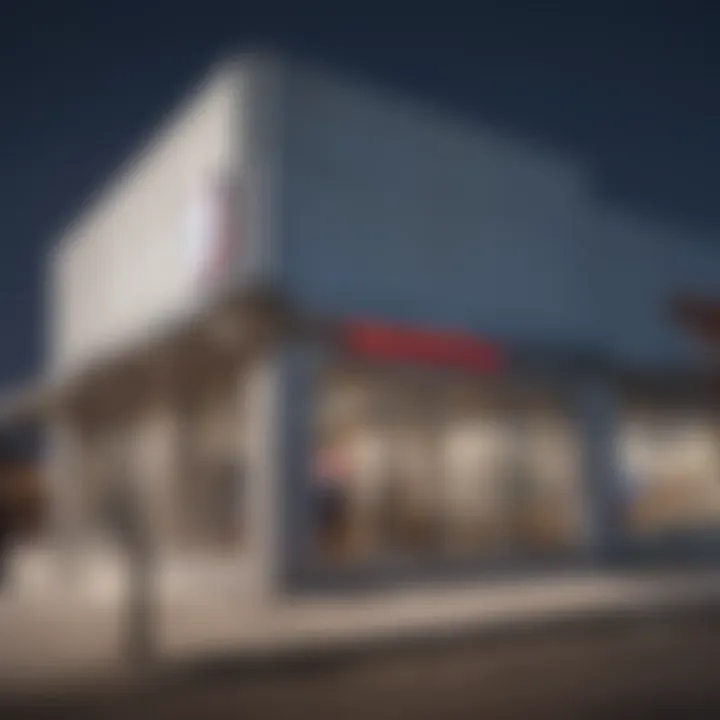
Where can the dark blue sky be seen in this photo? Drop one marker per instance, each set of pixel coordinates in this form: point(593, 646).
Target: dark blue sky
point(629, 89)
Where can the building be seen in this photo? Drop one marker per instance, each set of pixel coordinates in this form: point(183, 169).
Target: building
point(337, 338)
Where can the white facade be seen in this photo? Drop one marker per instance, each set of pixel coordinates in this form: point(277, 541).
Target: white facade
point(134, 259)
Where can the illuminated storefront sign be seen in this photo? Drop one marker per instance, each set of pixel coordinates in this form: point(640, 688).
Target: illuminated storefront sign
point(443, 349)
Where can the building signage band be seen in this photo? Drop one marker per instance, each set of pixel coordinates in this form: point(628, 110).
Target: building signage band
point(390, 343)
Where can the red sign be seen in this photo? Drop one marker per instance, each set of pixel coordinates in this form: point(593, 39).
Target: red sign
point(385, 342)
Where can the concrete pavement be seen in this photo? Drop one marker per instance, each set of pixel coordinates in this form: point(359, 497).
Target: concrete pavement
point(58, 631)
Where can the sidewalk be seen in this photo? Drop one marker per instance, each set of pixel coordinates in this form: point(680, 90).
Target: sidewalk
point(66, 635)
point(662, 666)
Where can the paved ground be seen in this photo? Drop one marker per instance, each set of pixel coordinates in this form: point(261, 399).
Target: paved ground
point(663, 667)
point(57, 636)
point(597, 667)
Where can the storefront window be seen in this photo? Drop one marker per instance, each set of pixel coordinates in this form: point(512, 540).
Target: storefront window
point(412, 480)
point(413, 466)
point(477, 472)
point(349, 468)
point(671, 469)
point(107, 468)
point(214, 472)
point(551, 506)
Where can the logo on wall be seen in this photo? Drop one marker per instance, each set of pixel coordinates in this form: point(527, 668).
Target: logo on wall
point(212, 239)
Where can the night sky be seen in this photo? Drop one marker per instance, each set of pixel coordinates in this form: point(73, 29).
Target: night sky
point(629, 90)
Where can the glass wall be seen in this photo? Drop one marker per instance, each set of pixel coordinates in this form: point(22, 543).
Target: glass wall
point(670, 463)
point(105, 469)
point(213, 473)
point(176, 450)
point(418, 466)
